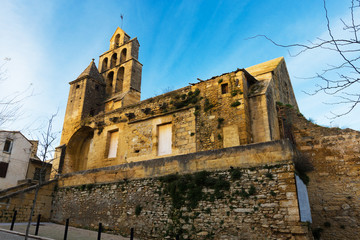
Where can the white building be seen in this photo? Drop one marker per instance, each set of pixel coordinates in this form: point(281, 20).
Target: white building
point(17, 155)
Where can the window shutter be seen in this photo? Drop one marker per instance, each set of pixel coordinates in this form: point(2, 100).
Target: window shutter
point(3, 169)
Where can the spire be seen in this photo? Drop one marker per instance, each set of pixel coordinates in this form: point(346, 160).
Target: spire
point(91, 71)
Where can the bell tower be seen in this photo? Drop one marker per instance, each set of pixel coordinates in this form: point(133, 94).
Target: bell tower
point(121, 70)
point(86, 96)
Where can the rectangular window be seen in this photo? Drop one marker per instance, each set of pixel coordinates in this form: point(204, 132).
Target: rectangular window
point(113, 143)
point(224, 88)
point(8, 146)
point(3, 169)
point(165, 139)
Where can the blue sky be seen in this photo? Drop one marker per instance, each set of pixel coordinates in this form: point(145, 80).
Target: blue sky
point(51, 42)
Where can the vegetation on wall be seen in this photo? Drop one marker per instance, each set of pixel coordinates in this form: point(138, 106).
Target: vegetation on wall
point(180, 101)
point(208, 105)
point(235, 104)
point(187, 190)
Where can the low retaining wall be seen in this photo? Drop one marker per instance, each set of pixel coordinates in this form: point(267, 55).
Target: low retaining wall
point(239, 203)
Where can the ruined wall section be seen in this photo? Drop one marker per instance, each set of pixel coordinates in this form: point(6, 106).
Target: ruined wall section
point(283, 90)
point(257, 203)
point(334, 186)
point(223, 116)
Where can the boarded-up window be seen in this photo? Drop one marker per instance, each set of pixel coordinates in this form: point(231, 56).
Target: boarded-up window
point(3, 169)
point(113, 144)
point(7, 146)
point(231, 136)
point(165, 139)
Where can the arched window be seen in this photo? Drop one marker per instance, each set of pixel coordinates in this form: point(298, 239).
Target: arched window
point(123, 56)
point(104, 64)
point(120, 80)
point(113, 60)
point(117, 40)
point(109, 82)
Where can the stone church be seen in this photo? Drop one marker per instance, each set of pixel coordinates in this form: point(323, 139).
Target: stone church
point(106, 124)
point(222, 158)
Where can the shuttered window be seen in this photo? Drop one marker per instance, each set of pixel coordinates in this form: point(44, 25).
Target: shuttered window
point(3, 169)
point(165, 139)
point(7, 146)
point(113, 144)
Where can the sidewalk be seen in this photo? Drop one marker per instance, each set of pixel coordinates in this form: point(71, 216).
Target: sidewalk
point(52, 231)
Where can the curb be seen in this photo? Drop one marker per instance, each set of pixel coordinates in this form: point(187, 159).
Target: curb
point(23, 234)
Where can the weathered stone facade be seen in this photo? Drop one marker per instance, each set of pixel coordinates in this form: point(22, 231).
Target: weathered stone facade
point(334, 186)
point(131, 163)
point(105, 125)
point(228, 121)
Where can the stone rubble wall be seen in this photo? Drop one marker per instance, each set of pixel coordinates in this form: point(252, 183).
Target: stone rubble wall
point(261, 203)
point(334, 186)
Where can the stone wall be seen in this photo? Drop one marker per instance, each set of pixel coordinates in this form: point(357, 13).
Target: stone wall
point(212, 160)
point(22, 202)
point(334, 186)
point(238, 203)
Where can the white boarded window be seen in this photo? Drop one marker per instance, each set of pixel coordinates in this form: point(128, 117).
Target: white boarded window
point(165, 141)
point(113, 144)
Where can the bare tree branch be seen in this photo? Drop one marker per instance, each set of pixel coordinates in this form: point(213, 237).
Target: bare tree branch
point(340, 80)
point(46, 148)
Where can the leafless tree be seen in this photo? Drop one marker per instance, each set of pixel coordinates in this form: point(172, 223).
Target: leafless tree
point(47, 138)
point(8, 105)
point(11, 104)
point(341, 80)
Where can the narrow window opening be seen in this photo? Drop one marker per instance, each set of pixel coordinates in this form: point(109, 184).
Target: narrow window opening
point(165, 139)
point(117, 40)
point(104, 64)
point(123, 56)
point(120, 80)
point(224, 88)
point(77, 86)
point(97, 87)
point(92, 112)
point(3, 169)
point(8, 146)
point(109, 82)
point(113, 60)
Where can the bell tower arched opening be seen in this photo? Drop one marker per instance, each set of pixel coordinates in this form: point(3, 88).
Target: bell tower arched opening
point(109, 83)
point(113, 60)
point(104, 64)
point(117, 40)
point(120, 80)
point(123, 56)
